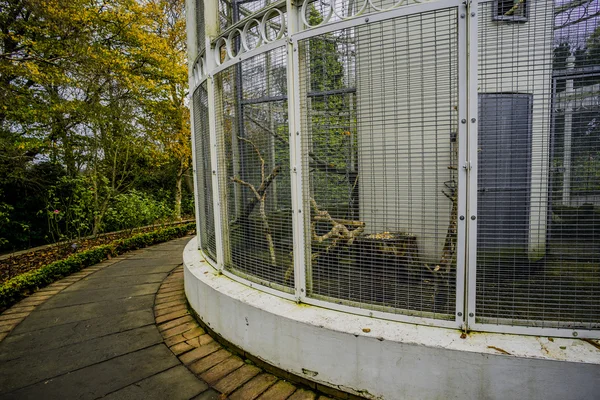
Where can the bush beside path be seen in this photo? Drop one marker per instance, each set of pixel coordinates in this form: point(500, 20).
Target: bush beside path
point(19, 286)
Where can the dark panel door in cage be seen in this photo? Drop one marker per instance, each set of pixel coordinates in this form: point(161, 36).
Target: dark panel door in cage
point(504, 162)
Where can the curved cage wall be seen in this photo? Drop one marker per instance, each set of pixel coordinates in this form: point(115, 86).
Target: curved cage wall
point(432, 163)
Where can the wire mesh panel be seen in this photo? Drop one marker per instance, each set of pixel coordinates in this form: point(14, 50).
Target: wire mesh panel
point(538, 258)
point(206, 230)
point(380, 145)
point(379, 166)
point(252, 129)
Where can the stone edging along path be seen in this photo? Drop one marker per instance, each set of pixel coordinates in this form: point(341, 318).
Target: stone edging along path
point(226, 373)
point(4, 256)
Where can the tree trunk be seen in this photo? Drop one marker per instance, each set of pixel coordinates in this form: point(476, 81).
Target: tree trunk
point(189, 182)
point(97, 221)
point(178, 182)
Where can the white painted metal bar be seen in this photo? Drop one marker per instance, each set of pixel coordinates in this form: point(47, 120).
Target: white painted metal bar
point(463, 173)
point(191, 43)
point(253, 284)
point(536, 331)
point(215, 178)
point(198, 72)
point(195, 172)
point(568, 140)
point(377, 17)
point(257, 15)
point(294, 123)
point(210, 261)
point(198, 56)
point(375, 313)
point(472, 121)
point(191, 37)
point(211, 22)
point(244, 56)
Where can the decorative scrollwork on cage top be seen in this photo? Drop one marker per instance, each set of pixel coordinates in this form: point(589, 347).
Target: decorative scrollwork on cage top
point(269, 23)
point(335, 10)
point(199, 72)
point(264, 27)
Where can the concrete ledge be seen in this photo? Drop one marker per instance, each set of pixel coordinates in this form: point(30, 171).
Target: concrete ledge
point(385, 359)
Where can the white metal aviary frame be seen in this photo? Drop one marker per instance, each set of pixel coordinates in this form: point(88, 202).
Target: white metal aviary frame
point(479, 274)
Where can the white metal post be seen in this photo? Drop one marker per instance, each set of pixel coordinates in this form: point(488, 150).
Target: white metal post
point(211, 18)
point(472, 144)
point(462, 165)
point(569, 90)
point(195, 172)
point(192, 39)
point(294, 118)
point(192, 44)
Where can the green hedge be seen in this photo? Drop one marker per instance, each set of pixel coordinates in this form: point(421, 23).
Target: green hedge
point(16, 288)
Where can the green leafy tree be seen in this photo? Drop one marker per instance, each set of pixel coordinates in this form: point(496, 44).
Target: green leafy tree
point(96, 90)
point(333, 122)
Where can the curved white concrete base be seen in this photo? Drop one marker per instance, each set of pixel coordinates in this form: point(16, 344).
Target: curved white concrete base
point(393, 360)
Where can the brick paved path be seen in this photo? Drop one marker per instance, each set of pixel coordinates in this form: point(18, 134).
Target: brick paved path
point(121, 330)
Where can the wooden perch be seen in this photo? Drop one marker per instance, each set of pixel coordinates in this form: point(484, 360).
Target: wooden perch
point(442, 271)
point(571, 5)
point(261, 191)
point(514, 8)
point(260, 196)
point(269, 131)
point(323, 218)
point(450, 242)
point(316, 161)
point(326, 167)
point(339, 230)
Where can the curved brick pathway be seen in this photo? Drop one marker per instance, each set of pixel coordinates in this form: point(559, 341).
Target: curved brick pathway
point(121, 330)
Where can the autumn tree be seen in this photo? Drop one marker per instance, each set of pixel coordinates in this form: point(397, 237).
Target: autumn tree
point(168, 114)
point(95, 89)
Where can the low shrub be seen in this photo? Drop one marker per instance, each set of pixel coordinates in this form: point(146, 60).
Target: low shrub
point(134, 209)
point(16, 288)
